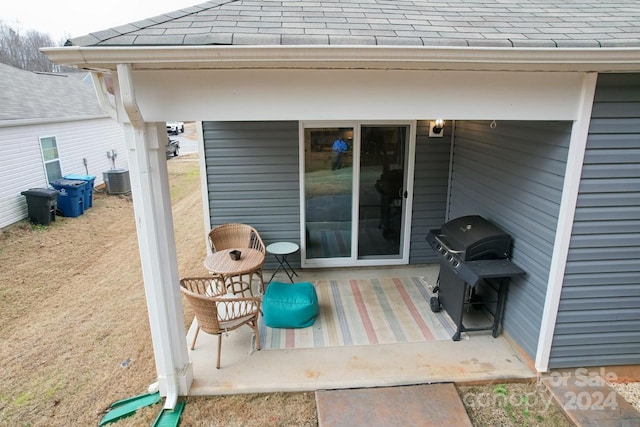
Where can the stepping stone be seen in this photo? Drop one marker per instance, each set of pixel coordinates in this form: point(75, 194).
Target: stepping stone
point(417, 405)
point(588, 401)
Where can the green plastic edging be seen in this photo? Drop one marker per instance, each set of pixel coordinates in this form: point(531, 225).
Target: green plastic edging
point(168, 417)
point(126, 407)
point(140, 396)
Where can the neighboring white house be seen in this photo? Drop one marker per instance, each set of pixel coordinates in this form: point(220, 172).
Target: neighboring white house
point(54, 114)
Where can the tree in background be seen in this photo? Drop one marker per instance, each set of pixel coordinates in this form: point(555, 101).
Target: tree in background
point(23, 50)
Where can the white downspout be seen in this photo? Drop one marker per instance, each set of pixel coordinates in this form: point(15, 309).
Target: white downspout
point(158, 299)
point(573, 173)
point(101, 86)
point(127, 95)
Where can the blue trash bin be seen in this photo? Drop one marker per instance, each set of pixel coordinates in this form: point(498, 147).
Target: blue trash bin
point(70, 197)
point(88, 191)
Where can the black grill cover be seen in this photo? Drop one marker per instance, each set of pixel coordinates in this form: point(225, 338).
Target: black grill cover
point(474, 238)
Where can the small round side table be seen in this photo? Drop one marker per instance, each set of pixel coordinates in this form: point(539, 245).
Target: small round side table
point(281, 250)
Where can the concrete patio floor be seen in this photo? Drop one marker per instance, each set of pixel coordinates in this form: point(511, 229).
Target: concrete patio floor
point(476, 357)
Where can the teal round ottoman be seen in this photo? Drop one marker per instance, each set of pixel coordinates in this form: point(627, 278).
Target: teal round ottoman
point(290, 305)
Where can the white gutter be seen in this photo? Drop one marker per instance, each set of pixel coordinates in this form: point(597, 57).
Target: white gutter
point(345, 57)
point(30, 122)
point(573, 173)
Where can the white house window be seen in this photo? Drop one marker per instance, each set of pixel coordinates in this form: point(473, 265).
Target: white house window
point(51, 159)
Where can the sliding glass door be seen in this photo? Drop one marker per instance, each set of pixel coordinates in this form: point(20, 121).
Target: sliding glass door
point(383, 157)
point(328, 192)
point(354, 193)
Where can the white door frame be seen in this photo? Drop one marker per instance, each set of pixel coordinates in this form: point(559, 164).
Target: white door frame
point(408, 201)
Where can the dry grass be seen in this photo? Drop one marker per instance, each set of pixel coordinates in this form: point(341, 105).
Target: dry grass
point(66, 292)
point(75, 334)
point(73, 310)
point(512, 405)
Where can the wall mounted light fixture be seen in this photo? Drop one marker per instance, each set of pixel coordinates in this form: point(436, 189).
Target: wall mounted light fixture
point(436, 128)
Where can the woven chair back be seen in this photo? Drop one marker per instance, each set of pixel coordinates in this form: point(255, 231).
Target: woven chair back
point(233, 236)
point(200, 293)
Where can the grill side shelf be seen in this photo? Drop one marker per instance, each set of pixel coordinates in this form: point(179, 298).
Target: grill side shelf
point(495, 268)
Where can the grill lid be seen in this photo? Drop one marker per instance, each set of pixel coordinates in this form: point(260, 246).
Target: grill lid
point(474, 238)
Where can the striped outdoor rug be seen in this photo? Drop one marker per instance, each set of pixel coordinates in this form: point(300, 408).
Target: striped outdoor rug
point(366, 312)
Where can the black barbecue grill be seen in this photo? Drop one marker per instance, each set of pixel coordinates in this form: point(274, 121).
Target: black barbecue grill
point(472, 252)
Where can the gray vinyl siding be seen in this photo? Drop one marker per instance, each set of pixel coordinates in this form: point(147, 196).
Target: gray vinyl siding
point(599, 315)
point(512, 175)
point(252, 178)
point(429, 190)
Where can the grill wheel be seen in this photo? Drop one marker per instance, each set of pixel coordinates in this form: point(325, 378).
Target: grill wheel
point(434, 302)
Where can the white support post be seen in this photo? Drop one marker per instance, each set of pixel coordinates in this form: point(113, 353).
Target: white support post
point(154, 222)
point(573, 173)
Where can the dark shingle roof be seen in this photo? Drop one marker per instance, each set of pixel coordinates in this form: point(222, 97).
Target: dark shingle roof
point(474, 23)
point(29, 95)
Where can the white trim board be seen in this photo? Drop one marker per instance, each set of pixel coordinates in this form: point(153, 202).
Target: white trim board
point(568, 203)
point(235, 95)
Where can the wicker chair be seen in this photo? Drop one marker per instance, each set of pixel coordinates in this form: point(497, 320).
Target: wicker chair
point(217, 312)
point(237, 236)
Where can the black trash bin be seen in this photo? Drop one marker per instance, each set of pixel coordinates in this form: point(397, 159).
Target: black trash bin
point(41, 204)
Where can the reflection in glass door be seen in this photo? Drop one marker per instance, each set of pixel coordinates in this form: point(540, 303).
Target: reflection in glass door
point(381, 198)
point(354, 193)
point(328, 192)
